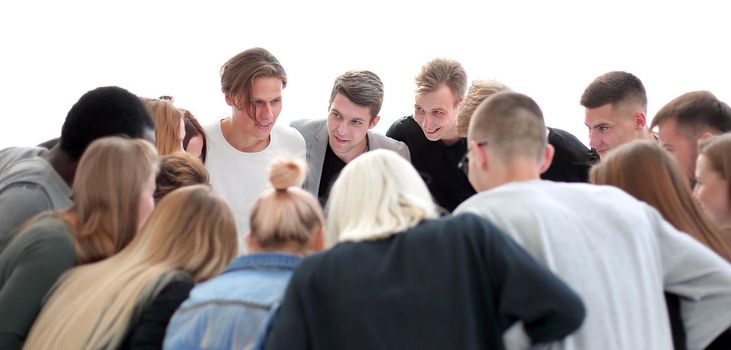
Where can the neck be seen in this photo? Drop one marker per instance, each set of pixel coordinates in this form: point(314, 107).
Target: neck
point(451, 138)
point(354, 152)
point(62, 164)
point(241, 141)
point(518, 170)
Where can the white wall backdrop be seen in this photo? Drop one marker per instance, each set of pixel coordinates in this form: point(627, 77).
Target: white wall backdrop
point(54, 51)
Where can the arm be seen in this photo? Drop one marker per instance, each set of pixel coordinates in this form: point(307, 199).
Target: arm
point(38, 266)
point(149, 332)
point(701, 279)
point(18, 203)
point(528, 292)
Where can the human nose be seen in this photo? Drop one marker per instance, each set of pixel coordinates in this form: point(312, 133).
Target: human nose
point(266, 112)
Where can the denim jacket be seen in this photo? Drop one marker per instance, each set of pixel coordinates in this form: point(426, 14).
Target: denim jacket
point(229, 311)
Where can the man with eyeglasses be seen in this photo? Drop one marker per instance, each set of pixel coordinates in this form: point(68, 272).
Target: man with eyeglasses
point(431, 132)
point(618, 253)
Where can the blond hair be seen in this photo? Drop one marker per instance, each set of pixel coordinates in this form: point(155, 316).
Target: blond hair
point(192, 232)
point(167, 125)
point(378, 194)
point(479, 90)
point(442, 71)
point(106, 191)
point(648, 172)
point(285, 214)
point(239, 72)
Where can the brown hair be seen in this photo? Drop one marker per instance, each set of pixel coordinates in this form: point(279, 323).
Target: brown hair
point(361, 87)
point(106, 192)
point(648, 172)
point(512, 124)
point(193, 129)
point(285, 214)
point(479, 90)
point(717, 149)
point(442, 71)
point(177, 170)
point(192, 232)
point(167, 125)
point(239, 72)
point(615, 88)
point(695, 111)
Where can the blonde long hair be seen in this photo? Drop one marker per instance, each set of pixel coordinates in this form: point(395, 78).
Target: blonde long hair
point(192, 231)
point(647, 171)
point(167, 119)
point(106, 192)
point(378, 194)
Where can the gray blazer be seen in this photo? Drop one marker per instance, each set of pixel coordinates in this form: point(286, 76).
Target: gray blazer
point(315, 134)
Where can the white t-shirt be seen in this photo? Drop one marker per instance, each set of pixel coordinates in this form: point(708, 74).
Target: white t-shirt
point(240, 177)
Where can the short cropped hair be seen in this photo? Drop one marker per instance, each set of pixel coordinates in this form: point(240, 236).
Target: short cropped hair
point(442, 71)
point(104, 111)
point(695, 111)
point(616, 88)
point(361, 87)
point(512, 124)
point(478, 92)
point(239, 72)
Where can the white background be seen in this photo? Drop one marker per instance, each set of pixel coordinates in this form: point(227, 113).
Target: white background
point(54, 51)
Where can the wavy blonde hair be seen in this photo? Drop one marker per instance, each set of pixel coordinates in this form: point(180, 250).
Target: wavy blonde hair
point(648, 172)
point(378, 194)
point(192, 231)
point(167, 125)
point(106, 191)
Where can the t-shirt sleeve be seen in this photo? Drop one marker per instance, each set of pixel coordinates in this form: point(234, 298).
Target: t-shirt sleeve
point(18, 203)
point(39, 265)
point(288, 326)
point(701, 279)
point(528, 292)
point(149, 332)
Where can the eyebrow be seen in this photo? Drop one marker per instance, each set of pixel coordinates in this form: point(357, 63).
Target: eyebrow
point(597, 125)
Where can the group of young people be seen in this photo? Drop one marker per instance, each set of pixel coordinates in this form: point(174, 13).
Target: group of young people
point(470, 224)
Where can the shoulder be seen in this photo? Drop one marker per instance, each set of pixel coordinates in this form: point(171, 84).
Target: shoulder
point(381, 141)
point(305, 125)
point(401, 127)
point(287, 135)
point(47, 237)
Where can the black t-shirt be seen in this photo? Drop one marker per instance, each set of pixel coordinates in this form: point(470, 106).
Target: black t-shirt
point(331, 168)
point(436, 162)
point(572, 159)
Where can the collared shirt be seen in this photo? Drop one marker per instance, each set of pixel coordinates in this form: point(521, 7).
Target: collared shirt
point(228, 311)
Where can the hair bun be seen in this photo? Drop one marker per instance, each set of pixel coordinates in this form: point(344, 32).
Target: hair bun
point(286, 172)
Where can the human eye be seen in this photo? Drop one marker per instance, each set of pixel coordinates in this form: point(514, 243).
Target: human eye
point(358, 122)
point(335, 115)
point(419, 109)
point(603, 128)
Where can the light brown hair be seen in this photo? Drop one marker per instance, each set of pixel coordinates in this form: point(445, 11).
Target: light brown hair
point(167, 125)
point(442, 71)
point(361, 87)
point(512, 124)
point(239, 72)
point(694, 112)
point(479, 90)
point(106, 193)
point(285, 214)
point(177, 170)
point(192, 232)
point(717, 150)
point(648, 172)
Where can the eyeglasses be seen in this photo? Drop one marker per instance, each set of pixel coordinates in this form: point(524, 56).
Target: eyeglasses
point(464, 163)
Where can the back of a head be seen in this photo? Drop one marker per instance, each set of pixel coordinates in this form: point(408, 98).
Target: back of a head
point(695, 112)
point(105, 111)
point(442, 71)
point(285, 215)
point(361, 87)
point(614, 88)
point(378, 194)
point(167, 125)
point(106, 191)
point(191, 230)
point(239, 72)
point(177, 170)
point(479, 90)
point(512, 124)
point(192, 129)
point(648, 172)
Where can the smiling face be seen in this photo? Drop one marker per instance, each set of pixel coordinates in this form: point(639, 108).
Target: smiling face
point(436, 114)
point(610, 127)
point(711, 190)
point(347, 127)
point(266, 104)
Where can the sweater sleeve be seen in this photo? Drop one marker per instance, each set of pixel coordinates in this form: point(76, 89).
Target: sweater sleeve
point(528, 292)
point(18, 203)
point(38, 264)
point(149, 332)
point(701, 279)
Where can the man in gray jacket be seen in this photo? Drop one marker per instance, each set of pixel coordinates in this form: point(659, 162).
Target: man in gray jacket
point(355, 101)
